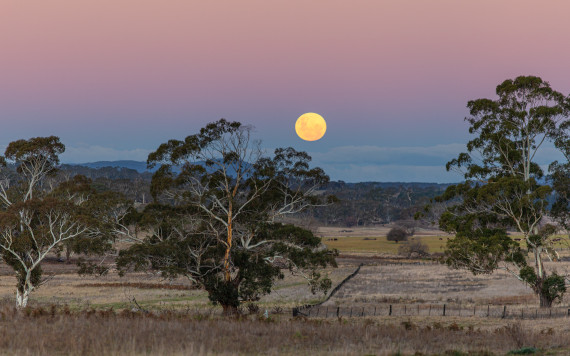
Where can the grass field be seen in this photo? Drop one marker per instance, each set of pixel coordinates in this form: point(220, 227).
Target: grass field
point(96, 312)
point(373, 240)
point(380, 245)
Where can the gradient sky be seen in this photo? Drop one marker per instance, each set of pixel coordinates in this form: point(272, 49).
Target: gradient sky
point(115, 78)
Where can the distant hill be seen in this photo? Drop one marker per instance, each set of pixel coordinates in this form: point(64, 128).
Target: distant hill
point(138, 166)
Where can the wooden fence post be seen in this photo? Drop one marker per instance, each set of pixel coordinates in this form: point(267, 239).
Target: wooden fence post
point(488, 310)
point(504, 312)
point(444, 310)
point(337, 311)
point(390, 313)
point(374, 310)
point(429, 312)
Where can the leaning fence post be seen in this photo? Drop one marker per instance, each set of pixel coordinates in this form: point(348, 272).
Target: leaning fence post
point(444, 310)
point(337, 311)
point(504, 312)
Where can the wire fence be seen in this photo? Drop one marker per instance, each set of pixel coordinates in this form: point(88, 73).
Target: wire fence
point(489, 311)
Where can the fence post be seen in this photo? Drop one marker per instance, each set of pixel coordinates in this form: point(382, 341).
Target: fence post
point(337, 311)
point(429, 312)
point(374, 310)
point(488, 310)
point(362, 312)
point(405, 309)
point(309, 312)
point(475, 307)
point(568, 312)
point(444, 310)
point(504, 312)
point(390, 313)
point(418, 309)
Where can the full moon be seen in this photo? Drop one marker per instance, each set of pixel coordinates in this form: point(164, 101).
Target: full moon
point(311, 126)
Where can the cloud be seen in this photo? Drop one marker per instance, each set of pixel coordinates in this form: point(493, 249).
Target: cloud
point(390, 173)
point(401, 164)
point(84, 154)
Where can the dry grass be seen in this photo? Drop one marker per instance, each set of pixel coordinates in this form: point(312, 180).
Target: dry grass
point(53, 331)
point(432, 283)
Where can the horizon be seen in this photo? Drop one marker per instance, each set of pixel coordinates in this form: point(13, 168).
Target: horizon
point(391, 78)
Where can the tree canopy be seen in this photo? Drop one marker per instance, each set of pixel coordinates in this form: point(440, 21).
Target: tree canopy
point(503, 189)
point(215, 219)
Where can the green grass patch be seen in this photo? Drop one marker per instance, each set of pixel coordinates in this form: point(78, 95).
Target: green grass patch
point(379, 244)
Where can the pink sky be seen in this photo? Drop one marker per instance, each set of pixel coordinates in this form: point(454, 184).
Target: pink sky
point(128, 75)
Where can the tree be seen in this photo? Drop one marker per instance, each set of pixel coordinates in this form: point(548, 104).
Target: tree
point(397, 234)
point(36, 219)
point(215, 216)
point(502, 188)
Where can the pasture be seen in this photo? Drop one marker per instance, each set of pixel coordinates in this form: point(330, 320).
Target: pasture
point(142, 314)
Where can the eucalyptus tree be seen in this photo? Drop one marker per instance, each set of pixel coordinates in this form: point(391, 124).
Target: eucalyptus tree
point(36, 217)
point(502, 189)
point(218, 201)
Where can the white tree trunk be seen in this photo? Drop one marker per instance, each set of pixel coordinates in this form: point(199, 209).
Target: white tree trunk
point(22, 298)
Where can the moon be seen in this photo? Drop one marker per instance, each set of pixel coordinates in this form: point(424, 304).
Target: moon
point(311, 126)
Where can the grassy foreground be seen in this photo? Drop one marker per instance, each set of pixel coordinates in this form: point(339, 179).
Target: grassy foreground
point(58, 331)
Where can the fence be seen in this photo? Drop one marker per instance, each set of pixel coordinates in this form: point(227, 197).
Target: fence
point(490, 311)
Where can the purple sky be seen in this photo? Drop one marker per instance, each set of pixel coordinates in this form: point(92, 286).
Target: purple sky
point(115, 78)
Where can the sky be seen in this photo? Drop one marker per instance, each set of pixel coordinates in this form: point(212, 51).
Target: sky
point(116, 78)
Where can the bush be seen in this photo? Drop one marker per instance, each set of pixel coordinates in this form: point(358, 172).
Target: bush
point(415, 248)
point(397, 234)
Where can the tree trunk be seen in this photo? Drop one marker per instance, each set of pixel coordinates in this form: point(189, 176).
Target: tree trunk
point(545, 302)
point(227, 273)
point(229, 310)
point(22, 298)
point(68, 254)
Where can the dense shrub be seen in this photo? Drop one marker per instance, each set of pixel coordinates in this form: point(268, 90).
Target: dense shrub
point(397, 234)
